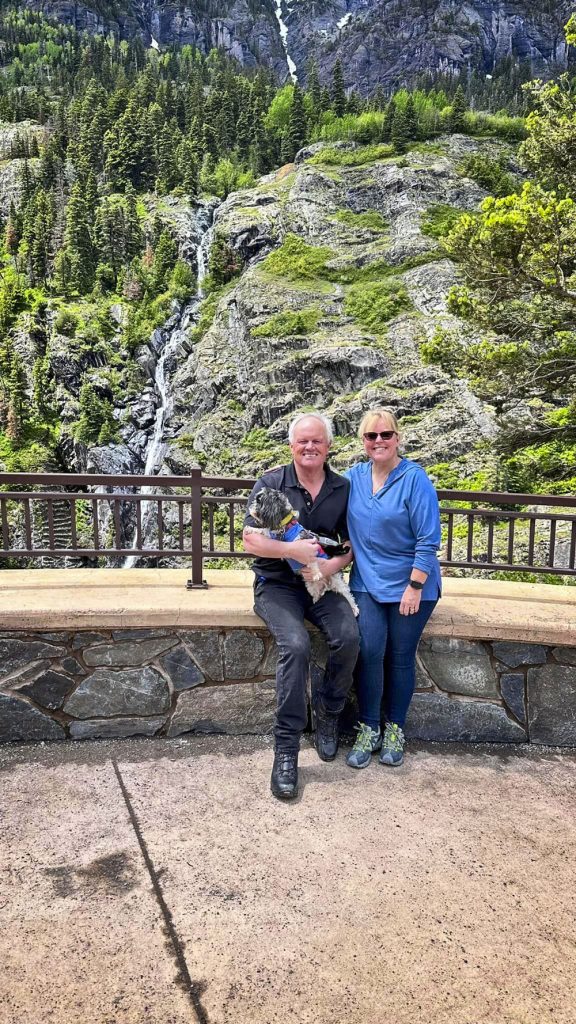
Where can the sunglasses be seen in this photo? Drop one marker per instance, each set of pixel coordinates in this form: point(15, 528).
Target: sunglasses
point(373, 435)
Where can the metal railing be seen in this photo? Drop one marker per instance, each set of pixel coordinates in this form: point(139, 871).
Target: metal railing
point(88, 518)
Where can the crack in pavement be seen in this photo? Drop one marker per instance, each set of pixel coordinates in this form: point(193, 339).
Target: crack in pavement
point(192, 988)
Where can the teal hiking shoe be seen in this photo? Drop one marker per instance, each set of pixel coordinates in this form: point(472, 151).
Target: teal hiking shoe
point(367, 741)
point(392, 745)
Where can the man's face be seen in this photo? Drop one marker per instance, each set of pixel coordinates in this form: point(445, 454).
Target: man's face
point(309, 447)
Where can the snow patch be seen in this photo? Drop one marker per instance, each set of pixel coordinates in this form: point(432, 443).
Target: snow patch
point(284, 38)
point(344, 21)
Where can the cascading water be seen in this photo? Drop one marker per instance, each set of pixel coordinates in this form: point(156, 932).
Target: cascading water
point(284, 37)
point(158, 443)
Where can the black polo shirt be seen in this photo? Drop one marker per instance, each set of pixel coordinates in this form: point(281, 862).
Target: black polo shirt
point(325, 516)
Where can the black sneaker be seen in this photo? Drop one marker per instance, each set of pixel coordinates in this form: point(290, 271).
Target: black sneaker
point(284, 779)
point(327, 732)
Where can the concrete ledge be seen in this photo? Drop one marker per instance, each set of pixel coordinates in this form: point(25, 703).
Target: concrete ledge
point(105, 653)
point(146, 598)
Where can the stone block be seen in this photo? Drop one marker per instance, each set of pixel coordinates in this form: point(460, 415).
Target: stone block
point(433, 717)
point(20, 721)
point(512, 690)
point(49, 690)
point(513, 655)
point(128, 652)
point(107, 728)
point(71, 666)
point(552, 705)
point(238, 709)
point(459, 666)
point(318, 648)
point(16, 655)
point(423, 679)
point(565, 655)
point(204, 646)
point(243, 654)
point(184, 673)
point(110, 692)
point(85, 639)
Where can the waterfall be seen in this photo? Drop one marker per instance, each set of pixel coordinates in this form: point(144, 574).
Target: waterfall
point(158, 443)
point(284, 38)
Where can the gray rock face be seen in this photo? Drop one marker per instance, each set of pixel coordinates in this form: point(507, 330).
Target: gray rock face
point(432, 717)
point(49, 690)
point(118, 727)
point(459, 666)
point(128, 652)
point(110, 692)
point(20, 721)
point(183, 672)
point(16, 655)
point(205, 647)
point(514, 655)
point(512, 688)
point(552, 705)
point(236, 710)
point(565, 655)
point(243, 653)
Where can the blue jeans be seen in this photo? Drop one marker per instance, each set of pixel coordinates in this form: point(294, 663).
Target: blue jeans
point(387, 663)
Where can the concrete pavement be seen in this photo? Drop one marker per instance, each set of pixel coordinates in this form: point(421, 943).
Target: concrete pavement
point(158, 882)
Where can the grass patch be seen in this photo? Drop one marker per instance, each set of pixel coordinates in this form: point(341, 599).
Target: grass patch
point(296, 260)
point(374, 304)
point(351, 158)
point(281, 325)
point(372, 220)
point(438, 220)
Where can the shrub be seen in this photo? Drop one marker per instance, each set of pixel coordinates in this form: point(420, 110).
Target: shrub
point(490, 174)
point(370, 219)
point(281, 325)
point(351, 157)
point(66, 323)
point(438, 220)
point(296, 260)
point(374, 304)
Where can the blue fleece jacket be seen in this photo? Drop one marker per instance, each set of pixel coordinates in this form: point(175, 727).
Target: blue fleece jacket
point(393, 531)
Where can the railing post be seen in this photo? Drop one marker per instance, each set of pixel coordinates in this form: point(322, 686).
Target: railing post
point(196, 581)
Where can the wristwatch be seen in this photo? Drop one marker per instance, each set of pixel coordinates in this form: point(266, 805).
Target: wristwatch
point(416, 584)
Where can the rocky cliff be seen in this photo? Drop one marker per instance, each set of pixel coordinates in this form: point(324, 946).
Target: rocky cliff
point(339, 288)
point(379, 42)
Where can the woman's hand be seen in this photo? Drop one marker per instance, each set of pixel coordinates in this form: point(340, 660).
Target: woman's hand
point(319, 567)
point(410, 602)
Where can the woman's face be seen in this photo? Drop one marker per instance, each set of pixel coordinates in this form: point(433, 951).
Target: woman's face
point(383, 451)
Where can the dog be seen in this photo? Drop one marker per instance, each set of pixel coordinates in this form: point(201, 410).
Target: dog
point(279, 521)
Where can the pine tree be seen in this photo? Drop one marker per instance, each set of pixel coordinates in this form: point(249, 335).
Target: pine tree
point(314, 91)
point(411, 120)
point(78, 241)
point(297, 123)
point(338, 91)
point(388, 121)
point(457, 118)
point(399, 133)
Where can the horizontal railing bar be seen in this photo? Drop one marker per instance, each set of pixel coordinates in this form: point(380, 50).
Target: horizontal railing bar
point(98, 552)
point(507, 497)
point(507, 567)
point(494, 513)
point(103, 480)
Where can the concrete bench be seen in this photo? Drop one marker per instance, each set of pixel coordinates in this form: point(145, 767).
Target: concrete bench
point(100, 653)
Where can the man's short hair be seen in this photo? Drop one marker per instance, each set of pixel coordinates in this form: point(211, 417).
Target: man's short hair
point(327, 425)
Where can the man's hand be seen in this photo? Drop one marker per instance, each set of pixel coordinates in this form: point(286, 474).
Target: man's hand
point(303, 551)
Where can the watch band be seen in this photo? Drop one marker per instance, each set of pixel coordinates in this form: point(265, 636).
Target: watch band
point(416, 584)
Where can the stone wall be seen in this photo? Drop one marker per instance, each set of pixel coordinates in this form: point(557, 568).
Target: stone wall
point(81, 684)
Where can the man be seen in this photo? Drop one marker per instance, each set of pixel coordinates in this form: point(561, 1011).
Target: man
point(320, 497)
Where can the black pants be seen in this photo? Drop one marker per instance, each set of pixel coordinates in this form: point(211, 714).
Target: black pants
point(284, 606)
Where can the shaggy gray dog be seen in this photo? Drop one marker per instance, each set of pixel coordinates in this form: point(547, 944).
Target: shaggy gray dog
point(279, 521)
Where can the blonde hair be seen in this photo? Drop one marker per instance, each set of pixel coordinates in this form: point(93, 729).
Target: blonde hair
point(372, 416)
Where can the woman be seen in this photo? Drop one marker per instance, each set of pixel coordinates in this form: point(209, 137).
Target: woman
point(394, 526)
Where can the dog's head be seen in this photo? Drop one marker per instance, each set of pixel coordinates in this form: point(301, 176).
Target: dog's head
point(270, 508)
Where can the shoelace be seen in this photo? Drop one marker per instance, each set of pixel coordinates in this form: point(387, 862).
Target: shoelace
point(363, 741)
point(286, 762)
point(393, 737)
